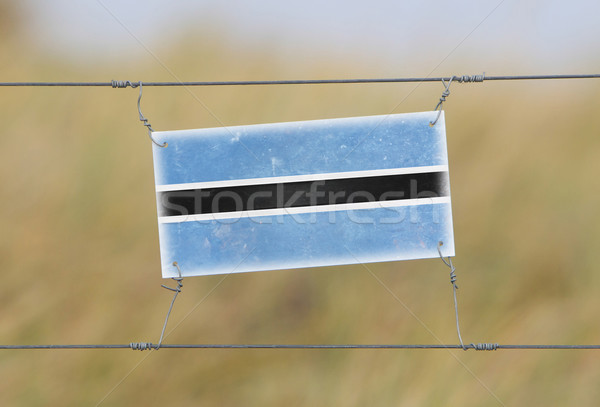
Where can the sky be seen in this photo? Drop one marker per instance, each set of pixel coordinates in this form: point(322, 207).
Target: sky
point(551, 36)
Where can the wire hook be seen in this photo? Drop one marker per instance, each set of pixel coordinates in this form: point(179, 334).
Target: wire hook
point(143, 119)
point(439, 106)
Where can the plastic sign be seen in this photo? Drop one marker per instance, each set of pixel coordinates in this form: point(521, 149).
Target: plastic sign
point(303, 194)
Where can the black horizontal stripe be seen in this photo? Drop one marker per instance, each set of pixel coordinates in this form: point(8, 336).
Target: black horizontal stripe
point(303, 193)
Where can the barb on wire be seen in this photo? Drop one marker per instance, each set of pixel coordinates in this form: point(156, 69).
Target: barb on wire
point(141, 115)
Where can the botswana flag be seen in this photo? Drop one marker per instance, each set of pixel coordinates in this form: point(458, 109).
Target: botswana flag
point(303, 194)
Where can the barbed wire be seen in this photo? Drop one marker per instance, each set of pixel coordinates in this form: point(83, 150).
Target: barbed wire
point(460, 79)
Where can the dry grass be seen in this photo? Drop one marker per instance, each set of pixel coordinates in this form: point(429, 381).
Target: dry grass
point(79, 250)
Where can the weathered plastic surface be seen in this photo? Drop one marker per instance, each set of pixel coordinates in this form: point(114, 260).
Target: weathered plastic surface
point(303, 194)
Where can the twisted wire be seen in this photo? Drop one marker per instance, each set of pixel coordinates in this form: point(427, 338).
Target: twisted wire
point(124, 84)
point(485, 346)
point(141, 346)
point(470, 79)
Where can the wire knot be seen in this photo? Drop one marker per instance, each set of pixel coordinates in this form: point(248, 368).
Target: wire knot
point(179, 284)
point(449, 264)
point(484, 346)
point(124, 84)
point(445, 94)
point(453, 277)
point(439, 106)
point(141, 346)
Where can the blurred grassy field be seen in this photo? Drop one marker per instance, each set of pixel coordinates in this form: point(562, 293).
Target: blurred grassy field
point(80, 263)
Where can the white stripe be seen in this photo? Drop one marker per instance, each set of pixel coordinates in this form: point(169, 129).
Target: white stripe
point(303, 209)
point(296, 178)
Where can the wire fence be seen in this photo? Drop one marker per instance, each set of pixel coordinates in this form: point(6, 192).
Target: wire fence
point(150, 346)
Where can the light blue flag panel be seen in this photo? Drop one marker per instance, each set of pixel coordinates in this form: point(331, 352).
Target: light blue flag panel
point(303, 194)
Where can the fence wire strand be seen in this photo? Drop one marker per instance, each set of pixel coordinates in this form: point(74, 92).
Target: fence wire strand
point(459, 78)
point(149, 346)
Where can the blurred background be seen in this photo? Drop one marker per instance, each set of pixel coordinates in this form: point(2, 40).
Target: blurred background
point(79, 243)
